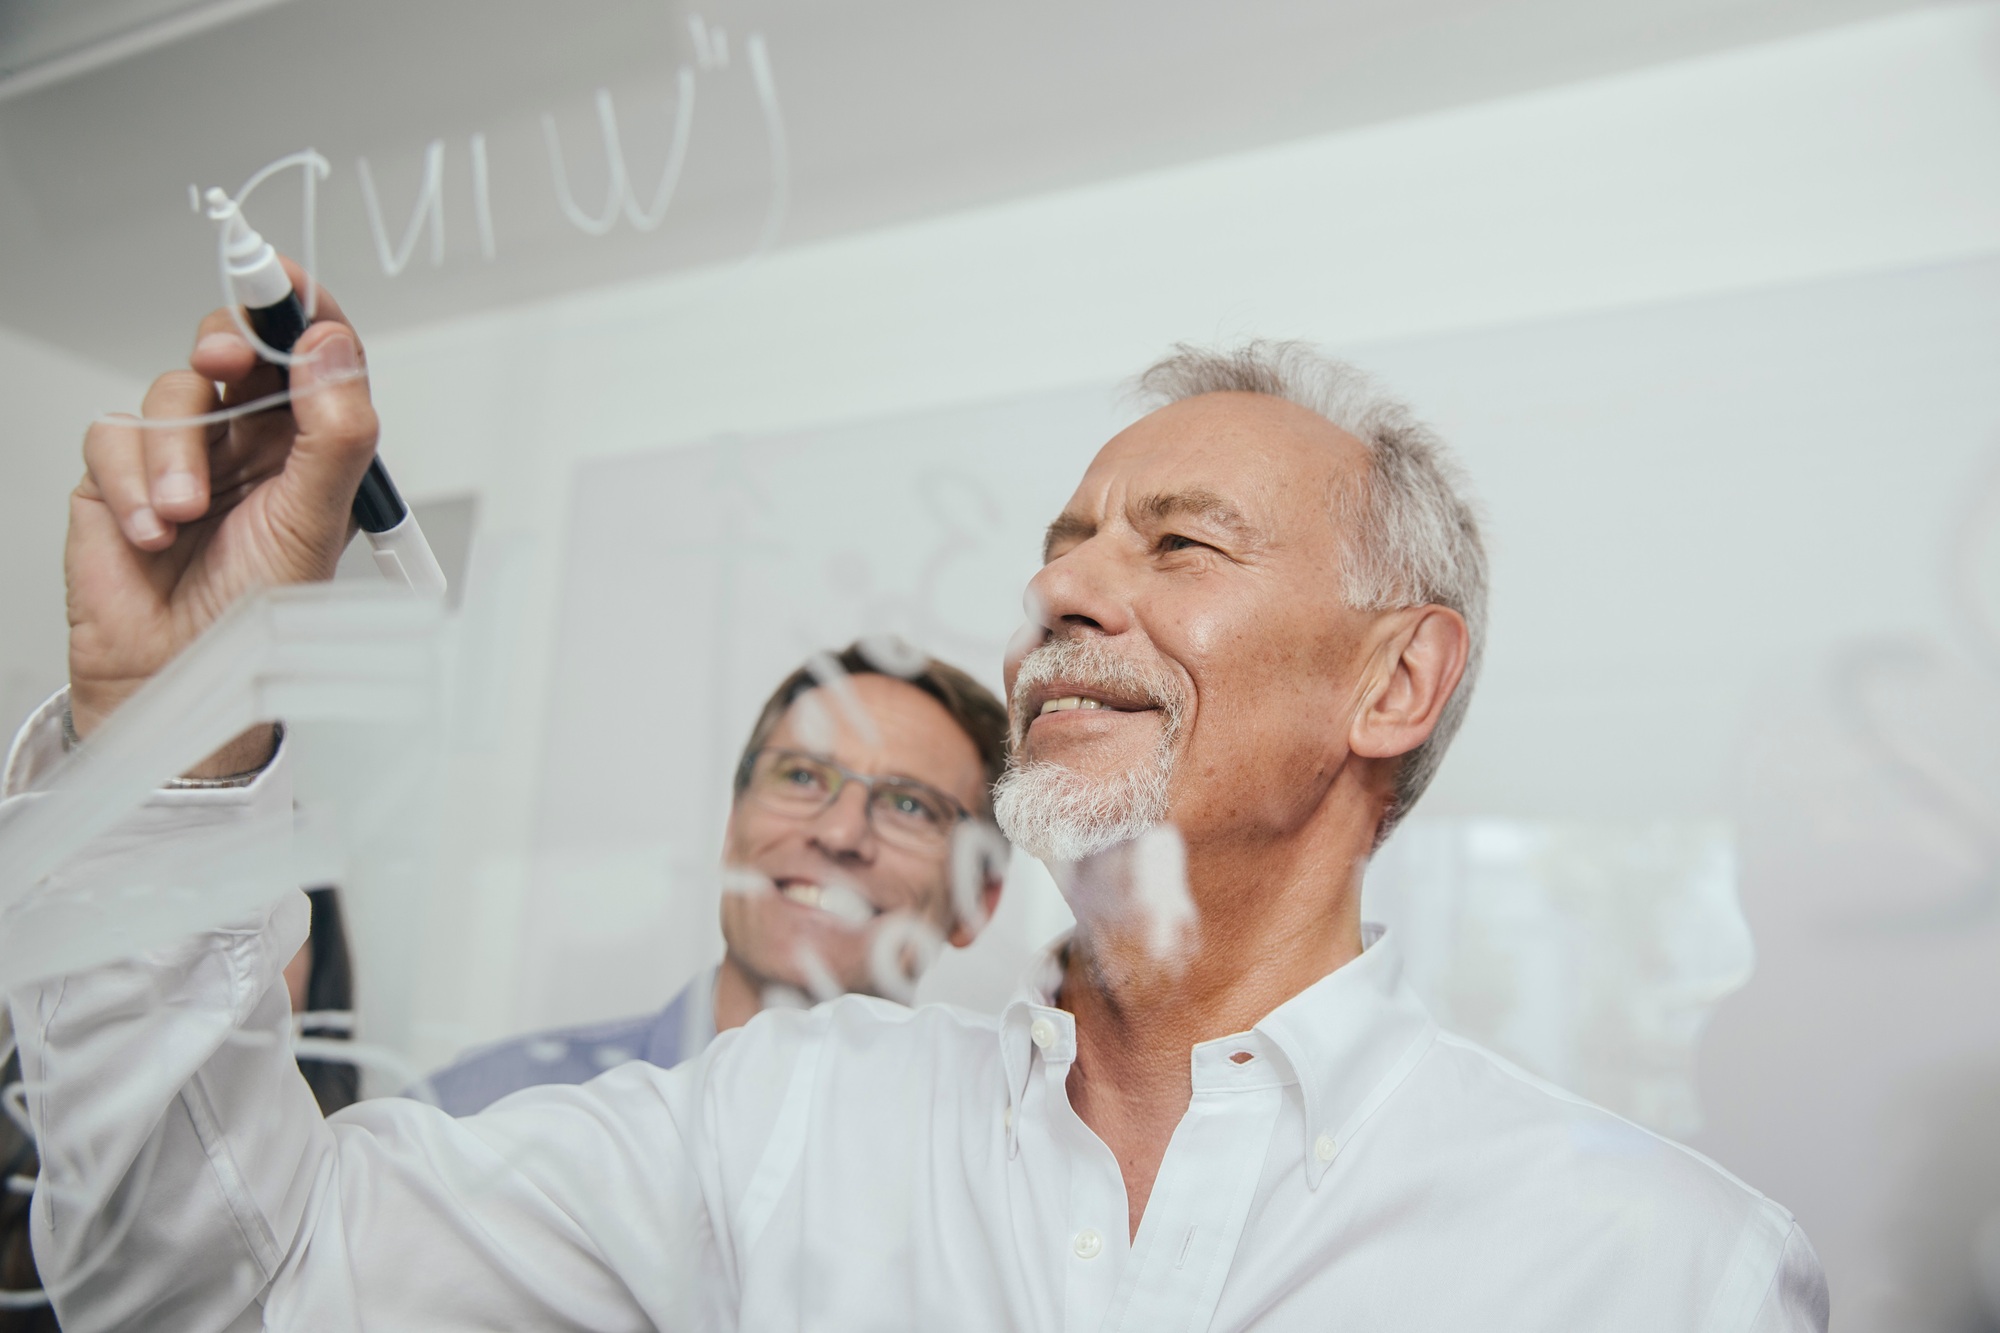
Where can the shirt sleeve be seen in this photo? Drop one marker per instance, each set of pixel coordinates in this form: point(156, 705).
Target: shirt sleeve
point(189, 1181)
point(1797, 1299)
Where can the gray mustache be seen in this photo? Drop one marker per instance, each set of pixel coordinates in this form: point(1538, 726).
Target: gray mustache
point(1087, 662)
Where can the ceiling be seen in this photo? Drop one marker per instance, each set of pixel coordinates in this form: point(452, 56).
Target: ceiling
point(891, 110)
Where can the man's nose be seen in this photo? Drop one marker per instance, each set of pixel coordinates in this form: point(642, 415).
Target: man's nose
point(843, 829)
point(1087, 587)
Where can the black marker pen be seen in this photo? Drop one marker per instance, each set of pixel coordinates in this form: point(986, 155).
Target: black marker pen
point(276, 315)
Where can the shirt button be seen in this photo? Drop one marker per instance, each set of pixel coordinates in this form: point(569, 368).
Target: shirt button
point(1324, 1148)
point(1043, 1033)
point(1088, 1244)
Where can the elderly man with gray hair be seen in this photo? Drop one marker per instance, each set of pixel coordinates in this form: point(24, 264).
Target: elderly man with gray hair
point(1216, 1105)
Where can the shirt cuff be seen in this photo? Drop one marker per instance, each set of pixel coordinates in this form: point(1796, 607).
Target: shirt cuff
point(38, 750)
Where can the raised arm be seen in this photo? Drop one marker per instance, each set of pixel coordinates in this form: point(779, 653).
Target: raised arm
point(188, 1180)
point(171, 525)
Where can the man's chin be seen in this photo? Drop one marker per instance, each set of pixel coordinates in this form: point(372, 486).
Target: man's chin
point(1058, 814)
point(773, 935)
point(811, 974)
point(1096, 742)
point(1080, 766)
point(1098, 760)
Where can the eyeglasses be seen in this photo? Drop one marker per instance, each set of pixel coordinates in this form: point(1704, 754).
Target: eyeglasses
point(913, 815)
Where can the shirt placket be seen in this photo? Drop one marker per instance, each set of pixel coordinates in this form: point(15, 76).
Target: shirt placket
point(1202, 1194)
point(1095, 1245)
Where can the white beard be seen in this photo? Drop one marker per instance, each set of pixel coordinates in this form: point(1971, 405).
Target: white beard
point(1057, 814)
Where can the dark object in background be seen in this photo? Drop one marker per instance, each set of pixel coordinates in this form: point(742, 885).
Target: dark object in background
point(329, 989)
point(17, 1261)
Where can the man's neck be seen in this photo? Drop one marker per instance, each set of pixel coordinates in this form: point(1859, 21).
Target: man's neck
point(738, 997)
point(1274, 925)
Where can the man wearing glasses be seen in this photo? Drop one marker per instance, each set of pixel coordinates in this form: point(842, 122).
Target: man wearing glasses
point(852, 795)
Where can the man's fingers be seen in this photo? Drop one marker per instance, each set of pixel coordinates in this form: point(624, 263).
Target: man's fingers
point(115, 454)
point(220, 350)
point(223, 355)
point(176, 457)
point(319, 302)
point(336, 432)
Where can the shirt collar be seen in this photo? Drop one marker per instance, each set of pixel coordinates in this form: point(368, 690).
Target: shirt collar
point(1031, 1014)
point(1347, 1041)
point(1351, 1038)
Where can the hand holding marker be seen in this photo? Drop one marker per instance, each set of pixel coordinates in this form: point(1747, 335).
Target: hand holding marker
point(276, 315)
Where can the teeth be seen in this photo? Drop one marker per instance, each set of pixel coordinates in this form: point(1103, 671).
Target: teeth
point(834, 899)
point(1065, 704)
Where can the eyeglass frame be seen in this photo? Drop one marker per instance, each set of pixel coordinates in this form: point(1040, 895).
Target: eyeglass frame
point(868, 782)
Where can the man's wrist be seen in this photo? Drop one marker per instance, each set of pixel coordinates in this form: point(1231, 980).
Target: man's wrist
point(86, 712)
point(235, 764)
point(240, 760)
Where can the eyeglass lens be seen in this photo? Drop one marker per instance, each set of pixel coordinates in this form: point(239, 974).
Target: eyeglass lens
point(902, 809)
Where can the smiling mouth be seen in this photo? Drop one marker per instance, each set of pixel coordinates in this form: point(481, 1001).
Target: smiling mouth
point(1072, 702)
point(835, 900)
point(1061, 684)
point(1084, 703)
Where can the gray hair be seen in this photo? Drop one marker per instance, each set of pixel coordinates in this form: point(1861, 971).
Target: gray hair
point(1409, 536)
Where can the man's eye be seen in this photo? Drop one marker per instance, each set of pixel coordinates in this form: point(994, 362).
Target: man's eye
point(914, 808)
point(1173, 541)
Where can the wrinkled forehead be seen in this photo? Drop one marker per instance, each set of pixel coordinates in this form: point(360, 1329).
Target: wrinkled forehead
point(1274, 463)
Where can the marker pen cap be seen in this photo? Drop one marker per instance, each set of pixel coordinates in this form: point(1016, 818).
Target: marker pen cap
point(254, 271)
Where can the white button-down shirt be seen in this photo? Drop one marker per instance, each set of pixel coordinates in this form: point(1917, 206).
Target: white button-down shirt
point(1343, 1164)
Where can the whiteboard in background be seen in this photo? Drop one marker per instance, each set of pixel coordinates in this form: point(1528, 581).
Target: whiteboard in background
point(696, 579)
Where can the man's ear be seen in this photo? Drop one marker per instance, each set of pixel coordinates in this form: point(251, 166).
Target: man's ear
point(964, 932)
point(1417, 664)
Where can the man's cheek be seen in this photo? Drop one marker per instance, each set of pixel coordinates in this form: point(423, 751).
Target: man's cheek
point(755, 839)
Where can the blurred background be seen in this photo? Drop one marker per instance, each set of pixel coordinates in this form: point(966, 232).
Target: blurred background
point(1707, 295)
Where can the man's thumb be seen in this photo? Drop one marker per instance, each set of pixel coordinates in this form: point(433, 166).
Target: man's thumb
point(337, 429)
